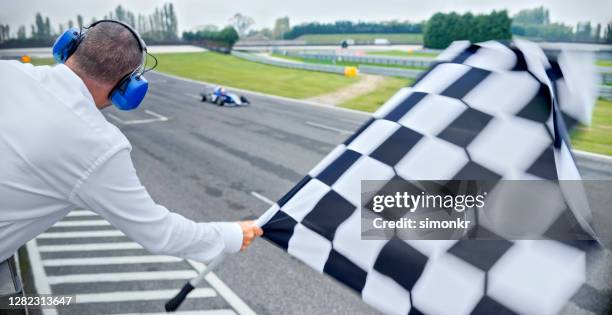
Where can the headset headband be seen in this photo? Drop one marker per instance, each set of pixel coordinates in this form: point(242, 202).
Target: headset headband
point(141, 43)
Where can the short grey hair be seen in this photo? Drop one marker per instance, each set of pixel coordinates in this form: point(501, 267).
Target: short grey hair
point(108, 52)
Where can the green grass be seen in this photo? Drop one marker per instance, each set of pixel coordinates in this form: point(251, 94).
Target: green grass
point(231, 71)
point(342, 63)
point(320, 39)
point(604, 63)
point(402, 53)
point(598, 137)
point(42, 61)
point(370, 102)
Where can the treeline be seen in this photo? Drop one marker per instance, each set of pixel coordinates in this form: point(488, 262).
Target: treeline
point(222, 40)
point(160, 27)
point(444, 28)
point(535, 24)
point(347, 27)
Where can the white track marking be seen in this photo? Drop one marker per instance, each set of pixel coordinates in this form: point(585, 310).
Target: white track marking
point(39, 275)
point(154, 114)
point(88, 247)
point(94, 261)
point(225, 292)
point(202, 312)
point(262, 198)
point(158, 118)
point(321, 126)
point(124, 296)
point(82, 213)
point(81, 223)
point(81, 234)
point(123, 276)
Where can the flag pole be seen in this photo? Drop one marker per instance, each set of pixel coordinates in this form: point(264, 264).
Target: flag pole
point(174, 303)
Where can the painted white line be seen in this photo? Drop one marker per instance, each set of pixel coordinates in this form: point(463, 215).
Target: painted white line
point(81, 213)
point(39, 275)
point(123, 276)
point(88, 247)
point(262, 198)
point(154, 114)
point(199, 312)
point(158, 118)
point(81, 223)
point(81, 234)
point(124, 296)
point(317, 125)
point(94, 261)
point(232, 299)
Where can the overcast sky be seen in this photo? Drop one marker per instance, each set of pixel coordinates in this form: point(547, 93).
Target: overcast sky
point(192, 13)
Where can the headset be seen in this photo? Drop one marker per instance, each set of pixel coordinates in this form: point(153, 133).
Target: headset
point(129, 92)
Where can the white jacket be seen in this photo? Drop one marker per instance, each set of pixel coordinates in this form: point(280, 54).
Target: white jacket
point(58, 153)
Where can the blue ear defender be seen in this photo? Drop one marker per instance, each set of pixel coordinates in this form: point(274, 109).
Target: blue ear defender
point(66, 44)
point(131, 89)
point(130, 92)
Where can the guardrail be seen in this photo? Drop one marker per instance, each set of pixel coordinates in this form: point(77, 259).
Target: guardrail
point(289, 64)
point(413, 62)
point(392, 72)
point(604, 90)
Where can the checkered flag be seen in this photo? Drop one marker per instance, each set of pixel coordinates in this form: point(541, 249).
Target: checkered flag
point(488, 111)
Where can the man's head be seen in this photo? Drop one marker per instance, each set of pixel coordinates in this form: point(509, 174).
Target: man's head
point(107, 53)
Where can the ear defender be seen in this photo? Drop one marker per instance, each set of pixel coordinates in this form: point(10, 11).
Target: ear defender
point(130, 92)
point(66, 44)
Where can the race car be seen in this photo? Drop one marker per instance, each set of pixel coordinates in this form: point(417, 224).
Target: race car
point(221, 97)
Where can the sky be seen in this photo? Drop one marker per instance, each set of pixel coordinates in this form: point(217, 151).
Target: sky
point(193, 13)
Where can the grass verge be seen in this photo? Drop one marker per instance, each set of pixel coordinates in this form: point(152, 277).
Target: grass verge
point(596, 138)
point(370, 102)
point(235, 72)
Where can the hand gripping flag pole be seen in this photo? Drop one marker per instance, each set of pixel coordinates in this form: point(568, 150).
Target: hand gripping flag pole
point(174, 303)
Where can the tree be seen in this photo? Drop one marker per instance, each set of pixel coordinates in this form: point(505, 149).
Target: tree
point(443, 28)
point(79, 21)
point(597, 33)
point(583, 31)
point(281, 27)
point(241, 23)
point(608, 36)
point(21, 32)
point(48, 30)
point(70, 24)
point(538, 16)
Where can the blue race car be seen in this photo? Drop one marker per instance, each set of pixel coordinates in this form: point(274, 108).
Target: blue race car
point(221, 97)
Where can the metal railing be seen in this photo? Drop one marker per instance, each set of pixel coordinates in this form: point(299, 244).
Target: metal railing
point(289, 64)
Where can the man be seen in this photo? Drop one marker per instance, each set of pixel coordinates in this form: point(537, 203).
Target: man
point(58, 153)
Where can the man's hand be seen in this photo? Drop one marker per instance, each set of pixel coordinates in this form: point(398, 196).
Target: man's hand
point(249, 232)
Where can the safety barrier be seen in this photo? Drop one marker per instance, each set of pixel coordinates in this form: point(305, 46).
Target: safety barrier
point(289, 64)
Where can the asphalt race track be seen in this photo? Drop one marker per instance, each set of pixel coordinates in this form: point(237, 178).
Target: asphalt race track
point(214, 163)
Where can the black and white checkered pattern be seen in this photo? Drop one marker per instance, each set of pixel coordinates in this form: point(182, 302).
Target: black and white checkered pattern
point(486, 111)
